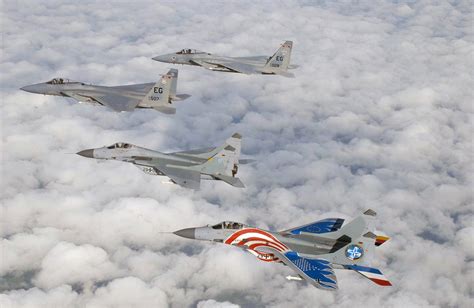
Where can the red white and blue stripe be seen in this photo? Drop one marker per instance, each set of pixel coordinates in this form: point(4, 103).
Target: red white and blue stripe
point(371, 273)
point(252, 238)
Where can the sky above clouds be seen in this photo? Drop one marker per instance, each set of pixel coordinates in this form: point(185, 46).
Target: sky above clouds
point(379, 116)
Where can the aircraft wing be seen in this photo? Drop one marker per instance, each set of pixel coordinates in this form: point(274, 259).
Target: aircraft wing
point(231, 65)
point(117, 102)
point(113, 101)
point(318, 272)
point(195, 152)
point(183, 177)
point(204, 64)
point(77, 97)
point(239, 67)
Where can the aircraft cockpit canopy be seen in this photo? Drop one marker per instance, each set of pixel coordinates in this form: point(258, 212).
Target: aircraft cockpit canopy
point(228, 225)
point(188, 52)
point(120, 145)
point(60, 81)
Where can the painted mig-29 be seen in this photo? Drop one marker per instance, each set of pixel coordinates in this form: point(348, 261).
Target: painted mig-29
point(185, 168)
point(313, 251)
point(158, 96)
point(278, 64)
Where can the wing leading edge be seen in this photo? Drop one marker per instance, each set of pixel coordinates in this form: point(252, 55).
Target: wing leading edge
point(240, 67)
point(113, 101)
point(318, 227)
point(233, 66)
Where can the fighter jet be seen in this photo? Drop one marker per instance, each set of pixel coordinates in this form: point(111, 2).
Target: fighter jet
point(313, 250)
point(278, 64)
point(183, 168)
point(158, 96)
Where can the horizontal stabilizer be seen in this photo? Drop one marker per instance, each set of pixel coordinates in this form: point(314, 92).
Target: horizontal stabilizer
point(180, 97)
point(371, 273)
point(246, 161)
point(236, 182)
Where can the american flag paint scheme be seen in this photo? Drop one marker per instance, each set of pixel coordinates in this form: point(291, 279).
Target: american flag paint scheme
point(313, 250)
point(253, 238)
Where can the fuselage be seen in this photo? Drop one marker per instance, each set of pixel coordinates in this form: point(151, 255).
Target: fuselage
point(212, 61)
point(86, 92)
point(253, 239)
point(146, 159)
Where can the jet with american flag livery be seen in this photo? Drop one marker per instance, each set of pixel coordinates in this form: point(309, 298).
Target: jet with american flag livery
point(313, 251)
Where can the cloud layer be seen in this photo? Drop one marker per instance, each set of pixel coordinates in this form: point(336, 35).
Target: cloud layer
point(379, 116)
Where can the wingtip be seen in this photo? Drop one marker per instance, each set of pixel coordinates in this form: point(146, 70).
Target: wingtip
point(370, 212)
point(240, 184)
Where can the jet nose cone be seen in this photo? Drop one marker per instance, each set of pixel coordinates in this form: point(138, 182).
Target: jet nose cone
point(187, 233)
point(86, 153)
point(162, 58)
point(32, 89)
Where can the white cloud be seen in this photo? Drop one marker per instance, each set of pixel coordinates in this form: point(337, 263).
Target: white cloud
point(71, 264)
point(379, 115)
point(214, 304)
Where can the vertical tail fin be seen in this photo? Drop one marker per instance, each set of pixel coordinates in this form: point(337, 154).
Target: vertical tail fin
point(158, 97)
point(223, 161)
point(174, 84)
point(358, 239)
point(279, 62)
point(174, 81)
point(358, 242)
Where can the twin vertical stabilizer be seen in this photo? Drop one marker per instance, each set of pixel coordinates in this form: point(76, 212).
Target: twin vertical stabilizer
point(162, 94)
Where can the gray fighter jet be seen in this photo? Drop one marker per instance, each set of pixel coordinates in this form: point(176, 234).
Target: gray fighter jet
point(183, 168)
point(278, 64)
point(158, 96)
point(313, 251)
